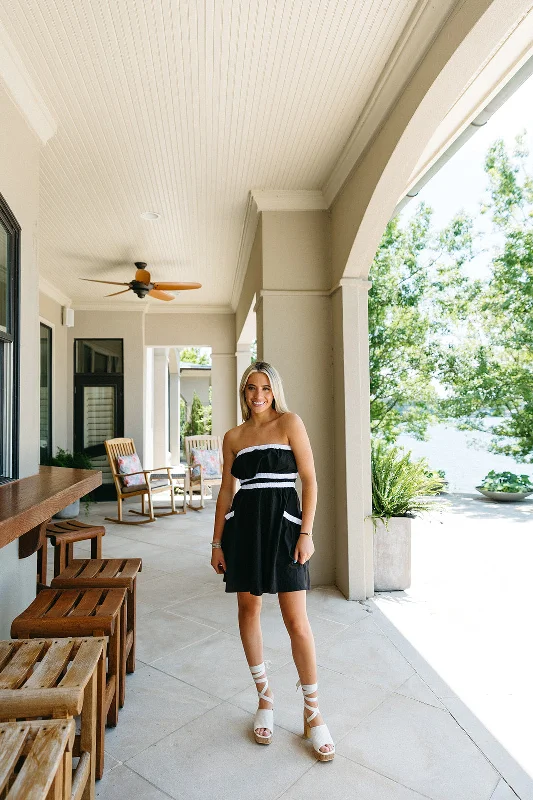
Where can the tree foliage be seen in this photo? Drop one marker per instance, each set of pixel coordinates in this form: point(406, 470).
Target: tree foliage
point(419, 293)
point(491, 373)
point(192, 355)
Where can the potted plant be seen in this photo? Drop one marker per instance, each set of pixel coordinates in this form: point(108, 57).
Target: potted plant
point(399, 487)
point(505, 487)
point(63, 458)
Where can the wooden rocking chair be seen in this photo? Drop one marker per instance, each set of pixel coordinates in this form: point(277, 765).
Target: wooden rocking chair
point(126, 447)
point(201, 480)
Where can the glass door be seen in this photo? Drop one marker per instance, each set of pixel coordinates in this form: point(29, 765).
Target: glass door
point(98, 403)
point(45, 396)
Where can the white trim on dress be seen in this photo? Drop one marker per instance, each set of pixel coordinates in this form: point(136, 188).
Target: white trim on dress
point(292, 519)
point(273, 485)
point(279, 475)
point(263, 447)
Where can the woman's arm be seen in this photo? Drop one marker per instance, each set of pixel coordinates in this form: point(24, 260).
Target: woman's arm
point(301, 447)
point(224, 500)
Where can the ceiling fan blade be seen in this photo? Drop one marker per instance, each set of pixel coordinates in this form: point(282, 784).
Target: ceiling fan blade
point(113, 283)
point(177, 286)
point(160, 295)
point(142, 275)
point(123, 291)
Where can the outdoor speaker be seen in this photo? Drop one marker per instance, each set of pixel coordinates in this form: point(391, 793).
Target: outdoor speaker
point(68, 317)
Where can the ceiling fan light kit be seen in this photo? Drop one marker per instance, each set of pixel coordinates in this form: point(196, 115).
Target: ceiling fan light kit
point(142, 284)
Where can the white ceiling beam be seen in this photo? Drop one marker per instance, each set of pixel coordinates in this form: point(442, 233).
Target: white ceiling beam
point(22, 90)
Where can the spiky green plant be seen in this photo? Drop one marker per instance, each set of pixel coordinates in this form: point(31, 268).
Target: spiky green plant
point(400, 484)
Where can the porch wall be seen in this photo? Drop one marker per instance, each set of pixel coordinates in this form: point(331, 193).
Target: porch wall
point(50, 312)
point(19, 184)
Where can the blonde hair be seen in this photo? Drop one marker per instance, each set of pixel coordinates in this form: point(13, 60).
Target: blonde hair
point(276, 385)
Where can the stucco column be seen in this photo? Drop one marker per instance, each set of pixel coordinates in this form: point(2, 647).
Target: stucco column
point(244, 357)
point(351, 425)
point(223, 380)
point(174, 406)
point(296, 336)
point(161, 450)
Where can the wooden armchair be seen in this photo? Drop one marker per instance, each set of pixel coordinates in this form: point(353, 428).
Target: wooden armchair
point(126, 447)
point(201, 480)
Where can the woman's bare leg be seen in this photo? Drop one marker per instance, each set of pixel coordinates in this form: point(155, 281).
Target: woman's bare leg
point(252, 639)
point(294, 613)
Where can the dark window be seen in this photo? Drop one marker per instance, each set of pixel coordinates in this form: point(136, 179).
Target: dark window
point(9, 341)
point(98, 357)
point(45, 397)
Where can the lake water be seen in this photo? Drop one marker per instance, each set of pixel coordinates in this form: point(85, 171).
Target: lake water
point(463, 455)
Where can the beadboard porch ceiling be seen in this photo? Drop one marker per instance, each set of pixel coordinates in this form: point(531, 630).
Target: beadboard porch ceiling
point(183, 107)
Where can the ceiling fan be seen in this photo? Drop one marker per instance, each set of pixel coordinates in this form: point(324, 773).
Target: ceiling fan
point(142, 285)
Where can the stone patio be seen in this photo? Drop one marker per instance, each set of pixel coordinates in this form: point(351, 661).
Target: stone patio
point(186, 728)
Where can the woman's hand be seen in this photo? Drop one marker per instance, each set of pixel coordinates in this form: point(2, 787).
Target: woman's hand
point(304, 548)
point(217, 560)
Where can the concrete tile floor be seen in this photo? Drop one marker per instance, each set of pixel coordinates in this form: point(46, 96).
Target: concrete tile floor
point(186, 729)
point(462, 622)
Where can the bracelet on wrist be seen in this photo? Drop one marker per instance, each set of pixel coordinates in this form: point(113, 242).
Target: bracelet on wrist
point(216, 544)
point(305, 533)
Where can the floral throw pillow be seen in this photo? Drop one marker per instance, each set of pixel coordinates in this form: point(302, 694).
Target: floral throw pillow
point(208, 459)
point(128, 464)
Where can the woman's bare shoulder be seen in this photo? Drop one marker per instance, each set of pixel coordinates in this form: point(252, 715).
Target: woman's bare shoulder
point(232, 438)
point(291, 422)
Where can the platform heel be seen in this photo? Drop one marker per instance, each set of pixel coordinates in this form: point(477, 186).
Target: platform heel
point(264, 717)
point(319, 734)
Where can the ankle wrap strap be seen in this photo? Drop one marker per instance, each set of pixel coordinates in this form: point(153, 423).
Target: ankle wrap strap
point(256, 671)
point(307, 689)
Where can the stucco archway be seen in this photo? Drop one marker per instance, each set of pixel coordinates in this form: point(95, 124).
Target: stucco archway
point(466, 43)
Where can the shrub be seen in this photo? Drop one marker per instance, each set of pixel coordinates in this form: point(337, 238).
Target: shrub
point(398, 484)
point(506, 482)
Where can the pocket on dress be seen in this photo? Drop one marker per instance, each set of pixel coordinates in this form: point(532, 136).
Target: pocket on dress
point(291, 518)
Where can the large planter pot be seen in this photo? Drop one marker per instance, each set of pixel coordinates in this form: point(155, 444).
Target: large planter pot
point(392, 555)
point(504, 497)
point(69, 512)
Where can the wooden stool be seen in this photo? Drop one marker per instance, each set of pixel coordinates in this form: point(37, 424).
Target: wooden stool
point(62, 535)
point(59, 678)
point(36, 760)
point(82, 612)
point(107, 573)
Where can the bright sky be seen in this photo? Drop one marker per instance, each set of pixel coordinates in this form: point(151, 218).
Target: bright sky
point(462, 183)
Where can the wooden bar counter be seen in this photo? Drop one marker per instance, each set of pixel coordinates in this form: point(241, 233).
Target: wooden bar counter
point(27, 504)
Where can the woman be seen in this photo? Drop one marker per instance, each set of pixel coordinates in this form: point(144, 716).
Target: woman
point(262, 542)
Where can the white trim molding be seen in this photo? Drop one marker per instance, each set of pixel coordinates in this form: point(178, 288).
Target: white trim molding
point(289, 200)
point(354, 282)
point(294, 292)
point(424, 23)
point(22, 90)
point(249, 228)
point(53, 292)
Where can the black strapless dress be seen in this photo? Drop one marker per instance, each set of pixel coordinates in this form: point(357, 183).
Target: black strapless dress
point(264, 523)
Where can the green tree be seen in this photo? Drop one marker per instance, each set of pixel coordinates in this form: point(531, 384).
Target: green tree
point(200, 418)
point(491, 373)
point(192, 355)
point(419, 293)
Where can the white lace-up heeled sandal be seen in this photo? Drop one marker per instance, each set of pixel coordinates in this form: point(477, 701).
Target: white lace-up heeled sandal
point(264, 717)
point(319, 734)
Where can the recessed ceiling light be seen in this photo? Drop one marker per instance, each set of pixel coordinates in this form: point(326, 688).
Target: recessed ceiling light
point(150, 215)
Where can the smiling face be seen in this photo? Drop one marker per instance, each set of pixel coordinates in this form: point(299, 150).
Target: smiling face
point(258, 393)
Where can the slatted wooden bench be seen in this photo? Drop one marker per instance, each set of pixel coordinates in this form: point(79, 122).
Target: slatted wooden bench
point(59, 678)
point(82, 612)
point(62, 535)
point(36, 760)
point(107, 573)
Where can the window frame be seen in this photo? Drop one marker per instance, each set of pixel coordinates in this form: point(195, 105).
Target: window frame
point(13, 229)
